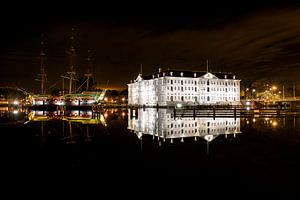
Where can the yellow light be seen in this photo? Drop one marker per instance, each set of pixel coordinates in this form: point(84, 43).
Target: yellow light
point(274, 88)
point(123, 114)
point(274, 123)
point(123, 99)
point(105, 115)
point(105, 99)
point(254, 120)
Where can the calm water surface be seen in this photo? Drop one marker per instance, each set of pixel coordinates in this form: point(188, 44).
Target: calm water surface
point(151, 144)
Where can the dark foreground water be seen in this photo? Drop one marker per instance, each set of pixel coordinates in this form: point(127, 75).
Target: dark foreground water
point(117, 146)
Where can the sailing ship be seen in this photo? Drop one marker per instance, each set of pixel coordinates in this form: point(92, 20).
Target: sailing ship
point(73, 99)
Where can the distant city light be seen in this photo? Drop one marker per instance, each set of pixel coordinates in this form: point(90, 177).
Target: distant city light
point(16, 103)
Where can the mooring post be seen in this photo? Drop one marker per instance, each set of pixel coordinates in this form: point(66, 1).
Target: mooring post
point(234, 113)
point(174, 113)
point(194, 113)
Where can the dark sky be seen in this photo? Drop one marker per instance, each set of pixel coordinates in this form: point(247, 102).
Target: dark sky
point(252, 39)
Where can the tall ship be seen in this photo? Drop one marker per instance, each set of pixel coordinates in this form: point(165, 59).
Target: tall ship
point(70, 96)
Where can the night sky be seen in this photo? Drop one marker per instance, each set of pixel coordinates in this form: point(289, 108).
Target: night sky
point(256, 40)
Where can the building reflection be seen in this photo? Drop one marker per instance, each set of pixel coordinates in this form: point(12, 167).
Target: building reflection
point(162, 125)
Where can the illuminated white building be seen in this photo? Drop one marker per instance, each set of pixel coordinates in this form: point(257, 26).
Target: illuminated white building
point(172, 87)
point(162, 124)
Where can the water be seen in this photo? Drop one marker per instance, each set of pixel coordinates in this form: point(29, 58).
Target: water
point(150, 144)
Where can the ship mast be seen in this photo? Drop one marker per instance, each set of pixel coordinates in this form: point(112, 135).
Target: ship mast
point(71, 74)
point(89, 74)
point(42, 76)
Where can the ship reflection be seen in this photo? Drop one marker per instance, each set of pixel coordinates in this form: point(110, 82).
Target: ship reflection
point(74, 116)
point(68, 127)
point(163, 127)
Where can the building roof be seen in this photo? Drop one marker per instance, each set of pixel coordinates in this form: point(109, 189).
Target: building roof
point(194, 74)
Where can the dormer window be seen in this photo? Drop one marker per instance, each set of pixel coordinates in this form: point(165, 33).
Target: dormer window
point(195, 75)
point(157, 75)
point(225, 76)
point(171, 73)
point(181, 74)
point(233, 76)
point(164, 73)
point(153, 76)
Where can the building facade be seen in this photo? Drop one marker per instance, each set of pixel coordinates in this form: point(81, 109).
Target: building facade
point(173, 87)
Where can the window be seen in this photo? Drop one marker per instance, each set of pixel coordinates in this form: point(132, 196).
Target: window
point(171, 81)
point(181, 82)
point(207, 89)
point(207, 82)
point(208, 98)
point(171, 98)
point(182, 98)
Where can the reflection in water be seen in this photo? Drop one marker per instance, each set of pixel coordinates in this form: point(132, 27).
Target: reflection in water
point(66, 126)
point(161, 124)
point(12, 115)
point(267, 124)
point(84, 117)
